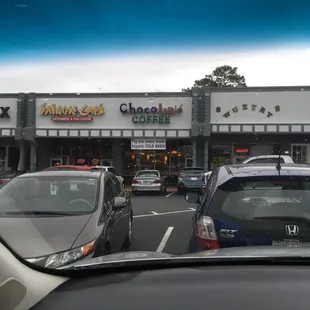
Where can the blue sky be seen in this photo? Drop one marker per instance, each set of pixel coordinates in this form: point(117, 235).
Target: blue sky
point(38, 33)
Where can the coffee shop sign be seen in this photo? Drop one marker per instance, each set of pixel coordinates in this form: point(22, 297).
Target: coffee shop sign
point(252, 107)
point(155, 114)
point(71, 113)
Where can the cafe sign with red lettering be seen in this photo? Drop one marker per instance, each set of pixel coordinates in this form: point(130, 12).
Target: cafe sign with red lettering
point(155, 114)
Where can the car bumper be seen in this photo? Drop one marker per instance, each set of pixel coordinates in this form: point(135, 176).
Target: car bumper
point(146, 187)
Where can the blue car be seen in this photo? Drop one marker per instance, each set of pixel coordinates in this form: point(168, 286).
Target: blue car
point(252, 205)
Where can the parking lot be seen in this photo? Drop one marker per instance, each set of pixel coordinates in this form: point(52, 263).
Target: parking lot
point(161, 223)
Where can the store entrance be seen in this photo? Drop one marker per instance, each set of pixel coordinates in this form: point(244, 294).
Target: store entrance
point(178, 154)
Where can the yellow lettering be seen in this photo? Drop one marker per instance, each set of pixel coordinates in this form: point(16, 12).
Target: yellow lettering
point(83, 111)
point(100, 110)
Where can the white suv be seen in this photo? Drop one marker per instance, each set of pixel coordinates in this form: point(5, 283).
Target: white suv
point(268, 159)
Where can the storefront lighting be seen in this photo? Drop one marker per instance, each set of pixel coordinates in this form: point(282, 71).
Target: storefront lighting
point(166, 158)
point(148, 156)
point(133, 156)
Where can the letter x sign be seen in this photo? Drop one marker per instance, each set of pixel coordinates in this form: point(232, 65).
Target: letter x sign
point(4, 112)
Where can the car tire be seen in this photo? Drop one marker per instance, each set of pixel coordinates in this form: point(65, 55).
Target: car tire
point(128, 240)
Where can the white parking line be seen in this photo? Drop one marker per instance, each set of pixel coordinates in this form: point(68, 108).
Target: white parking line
point(164, 239)
point(170, 194)
point(155, 213)
point(163, 213)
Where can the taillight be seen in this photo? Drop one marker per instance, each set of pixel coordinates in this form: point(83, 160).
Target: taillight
point(4, 180)
point(206, 234)
point(134, 181)
point(156, 181)
point(181, 175)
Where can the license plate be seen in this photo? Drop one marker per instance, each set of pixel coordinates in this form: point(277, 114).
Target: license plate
point(194, 179)
point(292, 243)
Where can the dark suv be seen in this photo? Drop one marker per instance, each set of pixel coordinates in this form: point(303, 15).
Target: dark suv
point(253, 205)
point(190, 179)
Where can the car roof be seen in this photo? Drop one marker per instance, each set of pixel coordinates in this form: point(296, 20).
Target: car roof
point(70, 167)
point(241, 170)
point(152, 170)
point(228, 172)
point(70, 173)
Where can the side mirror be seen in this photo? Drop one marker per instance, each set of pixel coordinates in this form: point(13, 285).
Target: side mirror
point(119, 202)
point(192, 197)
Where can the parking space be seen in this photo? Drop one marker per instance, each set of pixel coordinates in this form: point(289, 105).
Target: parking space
point(162, 223)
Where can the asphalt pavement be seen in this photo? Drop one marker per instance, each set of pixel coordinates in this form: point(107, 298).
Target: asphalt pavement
point(161, 223)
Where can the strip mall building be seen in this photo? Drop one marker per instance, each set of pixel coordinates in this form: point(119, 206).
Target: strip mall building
point(164, 131)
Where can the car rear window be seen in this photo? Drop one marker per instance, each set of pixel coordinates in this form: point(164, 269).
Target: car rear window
point(266, 161)
point(147, 173)
point(193, 170)
point(253, 198)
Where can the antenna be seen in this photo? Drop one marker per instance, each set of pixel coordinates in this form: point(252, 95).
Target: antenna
point(278, 166)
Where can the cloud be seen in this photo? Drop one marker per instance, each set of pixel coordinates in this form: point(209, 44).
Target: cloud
point(155, 72)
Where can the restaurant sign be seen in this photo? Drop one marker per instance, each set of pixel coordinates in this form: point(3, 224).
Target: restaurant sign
point(71, 113)
point(148, 144)
point(156, 114)
point(4, 112)
point(251, 107)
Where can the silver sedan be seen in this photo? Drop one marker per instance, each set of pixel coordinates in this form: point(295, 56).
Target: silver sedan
point(148, 181)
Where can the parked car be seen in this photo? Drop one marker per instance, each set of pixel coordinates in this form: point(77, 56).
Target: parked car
point(253, 205)
point(148, 181)
point(85, 167)
point(190, 179)
point(268, 159)
point(63, 216)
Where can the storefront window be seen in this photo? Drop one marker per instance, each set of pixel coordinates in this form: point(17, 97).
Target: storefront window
point(2, 158)
point(169, 161)
point(81, 152)
point(300, 153)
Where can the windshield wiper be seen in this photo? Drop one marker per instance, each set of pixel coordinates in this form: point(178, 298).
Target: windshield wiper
point(34, 213)
point(285, 218)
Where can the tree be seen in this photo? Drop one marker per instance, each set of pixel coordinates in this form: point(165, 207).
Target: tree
point(223, 76)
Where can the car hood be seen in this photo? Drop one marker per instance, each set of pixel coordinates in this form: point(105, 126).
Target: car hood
point(41, 236)
point(242, 252)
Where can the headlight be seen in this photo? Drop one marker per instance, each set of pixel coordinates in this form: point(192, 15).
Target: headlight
point(60, 259)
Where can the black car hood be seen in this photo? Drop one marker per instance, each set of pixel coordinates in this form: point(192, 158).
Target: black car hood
point(242, 252)
point(41, 236)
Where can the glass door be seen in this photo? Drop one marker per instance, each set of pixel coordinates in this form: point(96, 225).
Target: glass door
point(299, 153)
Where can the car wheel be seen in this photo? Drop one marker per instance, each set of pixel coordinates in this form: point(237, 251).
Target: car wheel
point(128, 240)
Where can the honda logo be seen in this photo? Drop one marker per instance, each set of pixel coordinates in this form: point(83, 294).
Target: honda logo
point(292, 230)
point(4, 112)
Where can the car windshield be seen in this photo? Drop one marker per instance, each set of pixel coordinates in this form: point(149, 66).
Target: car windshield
point(115, 110)
point(147, 173)
point(65, 194)
point(255, 198)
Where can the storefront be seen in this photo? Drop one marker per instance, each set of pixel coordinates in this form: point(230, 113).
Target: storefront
point(252, 122)
point(130, 132)
point(9, 147)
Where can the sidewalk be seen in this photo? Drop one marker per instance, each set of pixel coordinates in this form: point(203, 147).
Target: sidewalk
point(170, 189)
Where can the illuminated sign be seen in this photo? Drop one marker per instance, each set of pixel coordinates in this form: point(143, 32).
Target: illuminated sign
point(154, 115)
point(252, 107)
point(4, 112)
point(242, 151)
point(71, 113)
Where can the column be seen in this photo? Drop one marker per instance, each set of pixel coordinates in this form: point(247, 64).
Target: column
point(33, 157)
point(117, 155)
point(22, 156)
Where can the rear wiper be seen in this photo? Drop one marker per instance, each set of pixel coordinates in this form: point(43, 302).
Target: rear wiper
point(40, 213)
point(286, 218)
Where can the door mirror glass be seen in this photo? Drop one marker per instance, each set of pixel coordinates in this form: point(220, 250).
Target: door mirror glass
point(119, 202)
point(192, 197)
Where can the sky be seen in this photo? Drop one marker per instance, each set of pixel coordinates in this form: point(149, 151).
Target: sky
point(143, 46)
